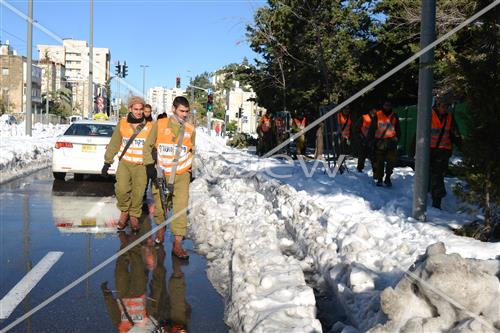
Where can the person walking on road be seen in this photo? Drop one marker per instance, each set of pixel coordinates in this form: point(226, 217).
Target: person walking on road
point(444, 133)
point(174, 139)
point(385, 132)
point(128, 140)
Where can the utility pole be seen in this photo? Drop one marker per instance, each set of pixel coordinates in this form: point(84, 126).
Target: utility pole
point(424, 110)
point(91, 63)
point(46, 94)
point(28, 67)
point(144, 79)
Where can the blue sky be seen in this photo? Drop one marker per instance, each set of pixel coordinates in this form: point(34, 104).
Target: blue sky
point(172, 37)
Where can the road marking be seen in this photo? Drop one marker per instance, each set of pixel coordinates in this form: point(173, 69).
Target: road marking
point(28, 282)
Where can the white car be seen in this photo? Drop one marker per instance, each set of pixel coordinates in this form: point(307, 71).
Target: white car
point(81, 149)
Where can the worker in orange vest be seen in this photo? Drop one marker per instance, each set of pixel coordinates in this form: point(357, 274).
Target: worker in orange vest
point(344, 125)
point(365, 147)
point(385, 132)
point(299, 123)
point(444, 133)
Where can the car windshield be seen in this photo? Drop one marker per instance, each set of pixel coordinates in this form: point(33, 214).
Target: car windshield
point(90, 130)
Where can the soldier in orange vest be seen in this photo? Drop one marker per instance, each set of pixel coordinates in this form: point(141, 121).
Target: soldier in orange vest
point(365, 147)
point(165, 136)
point(131, 177)
point(343, 131)
point(444, 133)
point(299, 123)
point(265, 131)
point(385, 132)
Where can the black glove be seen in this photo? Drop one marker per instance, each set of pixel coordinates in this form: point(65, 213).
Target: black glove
point(104, 288)
point(151, 172)
point(105, 168)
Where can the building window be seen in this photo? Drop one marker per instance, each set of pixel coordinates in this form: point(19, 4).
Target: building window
point(5, 71)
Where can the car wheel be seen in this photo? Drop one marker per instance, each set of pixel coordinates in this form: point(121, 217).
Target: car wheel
point(59, 175)
point(78, 177)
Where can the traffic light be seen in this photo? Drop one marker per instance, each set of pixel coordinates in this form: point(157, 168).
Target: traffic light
point(178, 82)
point(118, 69)
point(240, 111)
point(210, 102)
point(124, 69)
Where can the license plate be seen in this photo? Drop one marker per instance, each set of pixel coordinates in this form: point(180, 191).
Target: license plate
point(88, 148)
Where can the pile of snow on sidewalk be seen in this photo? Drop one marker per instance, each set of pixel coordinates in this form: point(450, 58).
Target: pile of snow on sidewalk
point(21, 154)
point(262, 224)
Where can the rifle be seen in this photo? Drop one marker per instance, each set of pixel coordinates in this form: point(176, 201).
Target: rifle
point(166, 190)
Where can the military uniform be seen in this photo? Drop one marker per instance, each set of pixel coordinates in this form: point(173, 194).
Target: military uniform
point(130, 176)
point(385, 132)
point(164, 136)
point(444, 134)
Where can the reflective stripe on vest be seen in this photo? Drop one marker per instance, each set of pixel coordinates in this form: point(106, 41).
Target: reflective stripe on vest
point(436, 128)
point(384, 122)
point(365, 126)
point(166, 146)
point(136, 309)
point(135, 152)
point(301, 124)
point(345, 124)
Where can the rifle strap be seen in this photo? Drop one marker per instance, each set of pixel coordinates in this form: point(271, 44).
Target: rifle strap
point(137, 130)
point(442, 131)
point(178, 148)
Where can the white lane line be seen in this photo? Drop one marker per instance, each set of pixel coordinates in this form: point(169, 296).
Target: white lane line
point(28, 282)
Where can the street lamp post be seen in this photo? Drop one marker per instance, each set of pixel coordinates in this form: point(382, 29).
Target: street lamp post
point(91, 65)
point(144, 79)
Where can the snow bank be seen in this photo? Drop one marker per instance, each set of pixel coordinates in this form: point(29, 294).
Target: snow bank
point(21, 154)
point(444, 292)
point(344, 231)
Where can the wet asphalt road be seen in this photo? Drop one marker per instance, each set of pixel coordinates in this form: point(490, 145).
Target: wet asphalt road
point(38, 215)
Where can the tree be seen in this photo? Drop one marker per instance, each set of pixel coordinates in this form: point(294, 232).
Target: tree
point(479, 63)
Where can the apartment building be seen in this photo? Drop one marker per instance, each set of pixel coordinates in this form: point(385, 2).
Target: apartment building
point(13, 78)
point(74, 55)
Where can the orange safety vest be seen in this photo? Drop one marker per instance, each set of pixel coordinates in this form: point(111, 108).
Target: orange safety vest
point(437, 127)
point(136, 310)
point(135, 152)
point(166, 145)
point(345, 124)
point(365, 126)
point(300, 124)
point(385, 124)
point(265, 124)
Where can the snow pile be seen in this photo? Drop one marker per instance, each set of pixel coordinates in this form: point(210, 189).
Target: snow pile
point(343, 231)
point(264, 290)
point(444, 293)
point(21, 154)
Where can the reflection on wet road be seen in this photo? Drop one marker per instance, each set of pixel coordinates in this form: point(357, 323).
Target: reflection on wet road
point(39, 215)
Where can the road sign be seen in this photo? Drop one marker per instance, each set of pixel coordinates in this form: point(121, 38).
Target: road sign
point(209, 91)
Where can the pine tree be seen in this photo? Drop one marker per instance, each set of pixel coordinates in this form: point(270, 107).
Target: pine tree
point(479, 62)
